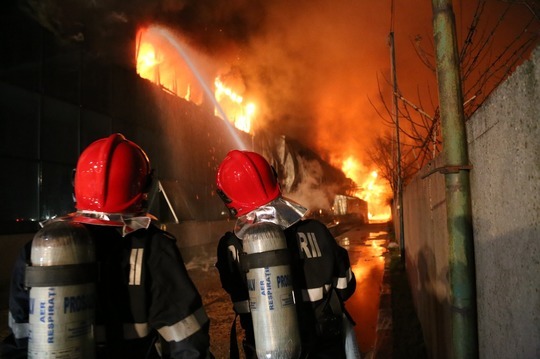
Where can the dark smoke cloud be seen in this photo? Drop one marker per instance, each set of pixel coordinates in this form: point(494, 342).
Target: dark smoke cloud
point(212, 25)
point(308, 63)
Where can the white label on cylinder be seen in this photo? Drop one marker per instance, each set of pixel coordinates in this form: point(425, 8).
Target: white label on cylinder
point(61, 322)
point(273, 312)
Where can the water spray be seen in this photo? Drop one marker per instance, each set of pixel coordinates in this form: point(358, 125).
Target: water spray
point(172, 39)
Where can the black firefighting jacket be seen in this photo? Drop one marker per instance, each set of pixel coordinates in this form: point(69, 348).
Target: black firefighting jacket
point(144, 297)
point(321, 274)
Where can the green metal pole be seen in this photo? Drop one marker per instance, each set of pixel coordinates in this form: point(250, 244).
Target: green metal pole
point(399, 176)
point(458, 199)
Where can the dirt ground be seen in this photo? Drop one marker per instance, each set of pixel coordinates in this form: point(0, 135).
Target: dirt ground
point(218, 307)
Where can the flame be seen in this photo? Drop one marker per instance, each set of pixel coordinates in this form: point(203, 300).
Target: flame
point(159, 62)
point(147, 60)
point(370, 189)
point(239, 114)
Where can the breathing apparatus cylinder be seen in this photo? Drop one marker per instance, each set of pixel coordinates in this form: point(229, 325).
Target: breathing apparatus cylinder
point(271, 297)
point(61, 279)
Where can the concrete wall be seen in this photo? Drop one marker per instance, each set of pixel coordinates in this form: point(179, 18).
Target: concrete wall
point(504, 150)
point(426, 254)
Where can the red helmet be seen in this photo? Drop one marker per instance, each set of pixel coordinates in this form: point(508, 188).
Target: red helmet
point(246, 181)
point(112, 176)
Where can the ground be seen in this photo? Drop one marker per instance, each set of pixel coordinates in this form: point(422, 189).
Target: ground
point(407, 338)
point(218, 306)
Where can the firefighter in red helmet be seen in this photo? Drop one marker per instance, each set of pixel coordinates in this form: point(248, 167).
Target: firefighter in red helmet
point(321, 273)
point(113, 175)
point(146, 304)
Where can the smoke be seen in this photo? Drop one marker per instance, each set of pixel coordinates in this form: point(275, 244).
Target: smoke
point(311, 191)
point(313, 66)
point(316, 69)
point(213, 26)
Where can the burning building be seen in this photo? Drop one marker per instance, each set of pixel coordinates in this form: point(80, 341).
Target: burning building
point(63, 87)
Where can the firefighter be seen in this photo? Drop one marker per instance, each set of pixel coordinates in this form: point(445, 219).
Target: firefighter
point(146, 304)
point(321, 273)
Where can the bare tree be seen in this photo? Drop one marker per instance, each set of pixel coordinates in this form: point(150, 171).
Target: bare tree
point(382, 153)
point(483, 67)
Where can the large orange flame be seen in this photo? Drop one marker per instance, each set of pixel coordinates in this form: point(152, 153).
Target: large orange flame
point(369, 188)
point(159, 62)
point(239, 113)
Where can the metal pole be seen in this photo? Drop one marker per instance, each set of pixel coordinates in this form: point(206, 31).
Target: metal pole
point(162, 190)
point(399, 182)
point(458, 199)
